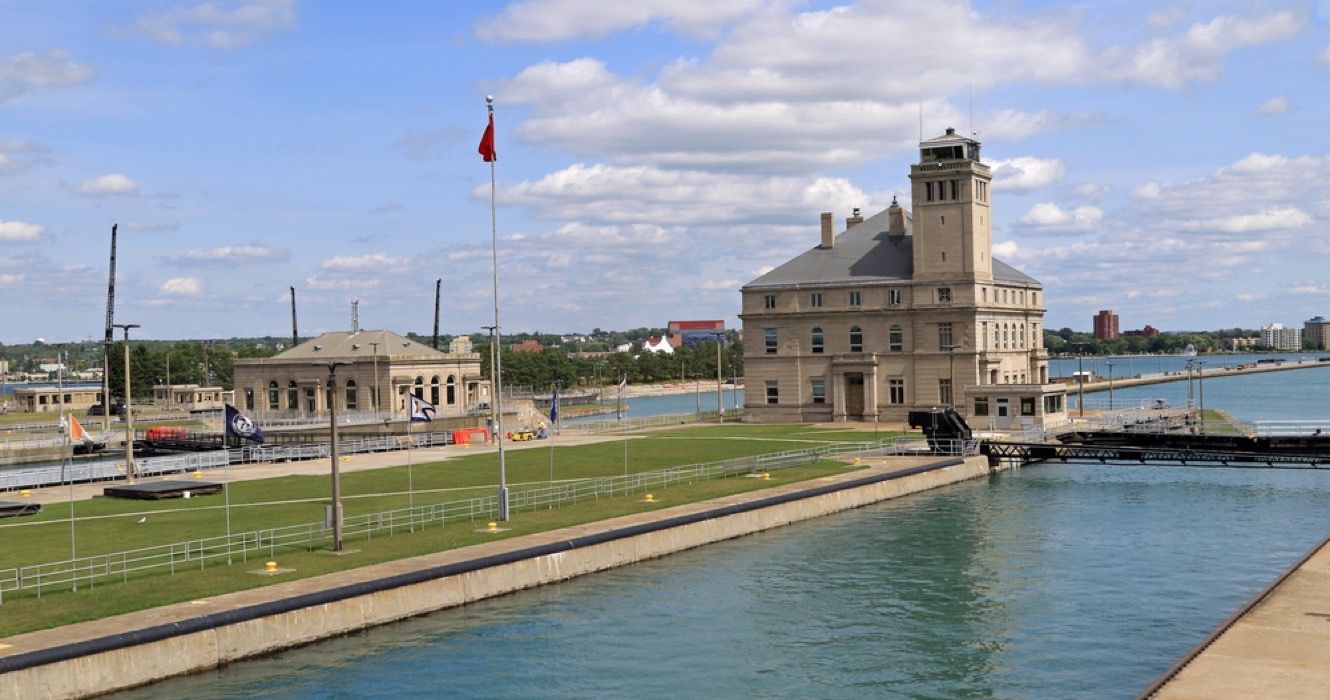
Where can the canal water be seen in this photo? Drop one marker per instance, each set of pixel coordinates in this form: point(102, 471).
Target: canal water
point(1058, 581)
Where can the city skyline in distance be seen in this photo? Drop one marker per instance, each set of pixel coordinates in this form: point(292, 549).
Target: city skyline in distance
point(1159, 161)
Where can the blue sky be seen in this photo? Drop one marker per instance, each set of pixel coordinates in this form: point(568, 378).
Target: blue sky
point(1166, 160)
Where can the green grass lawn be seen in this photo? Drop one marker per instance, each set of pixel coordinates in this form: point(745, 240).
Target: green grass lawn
point(112, 525)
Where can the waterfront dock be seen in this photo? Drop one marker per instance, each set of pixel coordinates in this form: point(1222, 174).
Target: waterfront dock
point(1276, 646)
point(1204, 373)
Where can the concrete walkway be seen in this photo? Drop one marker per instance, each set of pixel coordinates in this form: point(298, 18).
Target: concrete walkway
point(1279, 648)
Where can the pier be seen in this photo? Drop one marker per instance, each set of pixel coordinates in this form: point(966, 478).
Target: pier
point(1200, 374)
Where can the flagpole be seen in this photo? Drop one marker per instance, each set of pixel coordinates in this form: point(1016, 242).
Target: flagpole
point(623, 387)
point(410, 480)
point(498, 334)
point(226, 487)
point(554, 419)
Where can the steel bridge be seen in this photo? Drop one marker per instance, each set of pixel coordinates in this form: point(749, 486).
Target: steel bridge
point(1018, 453)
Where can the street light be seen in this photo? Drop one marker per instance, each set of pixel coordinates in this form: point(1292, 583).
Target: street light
point(129, 410)
point(1200, 389)
point(720, 401)
point(1080, 376)
point(336, 507)
point(951, 374)
point(1110, 386)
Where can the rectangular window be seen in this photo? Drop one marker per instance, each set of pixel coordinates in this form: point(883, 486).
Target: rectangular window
point(944, 391)
point(309, 399)
point(928, 191)
point(943, 295)
point(943, 336)
point(815, 299)
point(1003, 407)
point(819, 390)
point(1027, 406)
point(896, 392)
point(249, 399)
point(955, 188)
point(769, 301)
point(769, 336)
point(895, 339)
point(894, 297)
point(1053, 404)
point(855, 299)
point(773, 392)
point(981, 406)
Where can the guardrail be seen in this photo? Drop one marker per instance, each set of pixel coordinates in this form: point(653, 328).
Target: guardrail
point(88, 571)
point(615, 425)
point(15, 478)
point(1292, 428)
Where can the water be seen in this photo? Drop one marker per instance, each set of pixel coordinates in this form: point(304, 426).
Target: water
point(641, 406)
point(1134, 365)
point(1057, 581)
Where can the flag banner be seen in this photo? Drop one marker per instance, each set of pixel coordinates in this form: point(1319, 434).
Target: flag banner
point(554, 406)
point(239, 425)
point(421, 410)
point(623, 386)
point(486, 148)
point(76, 431)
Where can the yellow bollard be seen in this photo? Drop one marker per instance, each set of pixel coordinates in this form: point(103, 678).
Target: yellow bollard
point(198, 473)
point(650, 498)
point(25, 493)
point(766, 476)
point(270, 566)
point(492, 526)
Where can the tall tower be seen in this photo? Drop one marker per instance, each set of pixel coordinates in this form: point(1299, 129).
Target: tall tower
point(953, 239)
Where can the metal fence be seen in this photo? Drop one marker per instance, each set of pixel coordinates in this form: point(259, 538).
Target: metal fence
point(1290, 428)
point(81, 471)
point(615, 425)
point(88, 571)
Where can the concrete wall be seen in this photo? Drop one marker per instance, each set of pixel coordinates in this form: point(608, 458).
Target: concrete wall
point(191, 651)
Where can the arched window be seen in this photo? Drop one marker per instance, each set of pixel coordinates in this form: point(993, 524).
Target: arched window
point(856, 339)
point(997, 337)
point(274, 395)
point(351, 401)
point(292, 395)
point(818, 341)
point(452, 390)
point(896, 339)
point(420, 388)
point(984, 292)
point(434, 390)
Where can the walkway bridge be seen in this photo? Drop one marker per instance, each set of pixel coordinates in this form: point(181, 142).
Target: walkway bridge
point(1018, 453)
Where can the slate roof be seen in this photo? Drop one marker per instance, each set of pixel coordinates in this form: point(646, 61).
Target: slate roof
point(348, 345)
point(864, 254)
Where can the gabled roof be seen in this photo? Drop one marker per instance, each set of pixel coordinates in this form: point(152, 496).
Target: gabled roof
point(348, 345)
point(864, 254)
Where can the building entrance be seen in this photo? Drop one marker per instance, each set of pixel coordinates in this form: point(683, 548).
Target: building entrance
point(854, 395)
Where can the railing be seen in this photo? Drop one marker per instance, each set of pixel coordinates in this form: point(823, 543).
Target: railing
point(90, 570)
point(646, 422)
point(1292, 428)
point(80, 471)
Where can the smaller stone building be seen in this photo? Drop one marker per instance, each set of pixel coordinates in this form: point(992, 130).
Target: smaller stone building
point(191, 397)
point(374, 370)
point(50, 398)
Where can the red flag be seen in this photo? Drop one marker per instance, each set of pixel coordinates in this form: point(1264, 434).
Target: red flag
point(487, 143)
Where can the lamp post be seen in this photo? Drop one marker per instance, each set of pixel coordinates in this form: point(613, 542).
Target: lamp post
point(336, 507)
point(951, 374)
point(1080, 377)
point(720, 401)
point(129, 408)
point(1190, 393)
point(1200, 389)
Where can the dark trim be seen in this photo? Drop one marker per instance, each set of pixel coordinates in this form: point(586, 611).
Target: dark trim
point(203, 623)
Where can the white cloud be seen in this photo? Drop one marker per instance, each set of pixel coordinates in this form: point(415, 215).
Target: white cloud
point(218, 24)
point(1198, 55)
point(1275, 105)
point(724, 285)
point(113, 183)
point(17, 155)
point(28, 69)
point(1050, 215)
point(17, 231)
point(326, 283)
point(1147, 190)
point(614, 194)
point(1026, 173)
point(1324, 56)
point(377, 261)
point(10, 280)
point(1273, 219)
point(1091, 191)
point(561, 20)
point(238, 254)
point(1005, 249)
point(182, 286)
point(1310, 288)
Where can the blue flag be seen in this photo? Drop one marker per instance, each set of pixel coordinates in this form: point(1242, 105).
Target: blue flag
point(421, 411)
point(239, 425)
point(554, 406)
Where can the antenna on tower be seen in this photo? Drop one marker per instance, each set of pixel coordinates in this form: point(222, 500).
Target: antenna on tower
point(295, 335)
point(438, 284)
point(355, 316)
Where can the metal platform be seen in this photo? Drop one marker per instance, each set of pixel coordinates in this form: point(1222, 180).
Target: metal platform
point(1025, 453)
point(9, 509)
point(155, 490)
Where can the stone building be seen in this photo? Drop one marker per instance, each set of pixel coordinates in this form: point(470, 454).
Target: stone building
point(904, 310)
point(1316, 333)
point(375, 370)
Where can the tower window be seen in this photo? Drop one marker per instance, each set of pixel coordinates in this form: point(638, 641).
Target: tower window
point(818, 341)
point(769, 301)
point(944, 294)
point(944, 220)
point(815, 299)
point(856, 339)
point(819, 387)
point(855, 299)
point(769, 338)
point(773, 392)
point(928, 191)
point(894, 297)
point(895, 339)
point(955, 188)
point(944, 336)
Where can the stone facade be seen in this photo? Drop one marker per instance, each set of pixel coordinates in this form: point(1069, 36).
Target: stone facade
point(368, 364)
point(903, 311)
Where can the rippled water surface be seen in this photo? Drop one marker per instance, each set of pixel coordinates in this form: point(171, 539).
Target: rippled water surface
point(1051, 582)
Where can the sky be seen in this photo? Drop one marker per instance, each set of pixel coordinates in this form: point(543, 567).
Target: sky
point(1167, 160)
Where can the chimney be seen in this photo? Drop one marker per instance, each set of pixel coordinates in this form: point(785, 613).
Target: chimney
point(854, 219)
point(895, 219)
point(828, 233)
